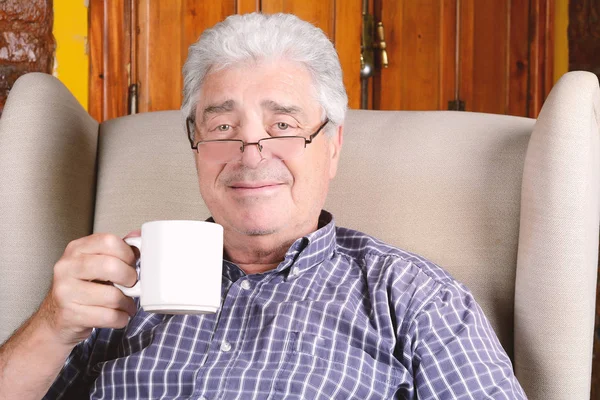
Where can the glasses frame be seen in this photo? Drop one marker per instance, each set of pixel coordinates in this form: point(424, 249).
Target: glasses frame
point(190, 123)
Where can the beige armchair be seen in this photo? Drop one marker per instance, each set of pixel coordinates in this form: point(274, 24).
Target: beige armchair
point(510, 206)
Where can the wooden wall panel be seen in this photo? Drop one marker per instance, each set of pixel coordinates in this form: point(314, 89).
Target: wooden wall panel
point(96, 83)
point(117, 56)
point(487, 25)
point(162, 24)
point(159, 55)
point(506, 55)
point(421, 59)
point(109, 58)
point(319, 12)
point(165, 31)
point(504, 47)
point(448, 71)
point(247, 6)
point(518, 59)
point(198, 15)
point(541, 45)
point(341, 21)
point(347, 35)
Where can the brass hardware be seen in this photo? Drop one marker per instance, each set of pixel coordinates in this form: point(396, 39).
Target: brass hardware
point(372, 39)
point(380, 44)
point(369, 44)
point(367, 62)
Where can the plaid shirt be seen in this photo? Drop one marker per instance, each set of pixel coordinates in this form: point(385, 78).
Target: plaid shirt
point(343, 316)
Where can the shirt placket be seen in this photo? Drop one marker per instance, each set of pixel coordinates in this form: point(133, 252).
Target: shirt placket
point(226, 342)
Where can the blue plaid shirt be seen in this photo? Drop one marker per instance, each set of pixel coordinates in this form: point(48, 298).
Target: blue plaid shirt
point(343, 316)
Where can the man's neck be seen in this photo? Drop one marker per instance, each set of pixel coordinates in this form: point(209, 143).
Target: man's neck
point(259, 253)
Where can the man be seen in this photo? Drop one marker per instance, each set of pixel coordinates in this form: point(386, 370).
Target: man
point(309, 310)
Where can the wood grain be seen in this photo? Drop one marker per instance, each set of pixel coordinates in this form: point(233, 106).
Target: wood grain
point(503, 60)
point(489, 31)
point(247, 6)
point(96, 77)
point(516, 102)
point(448, 83)
point(318, 12)
point(109, 39)
point(348, 16)
point(199, 15)
point(159, 55)
point(584, 36)
point(421, 65)
point(541, 46)
point(116, 49)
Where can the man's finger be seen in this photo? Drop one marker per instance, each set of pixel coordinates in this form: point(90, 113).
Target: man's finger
point(103, 295)
point(102, 243)
point(96, 267)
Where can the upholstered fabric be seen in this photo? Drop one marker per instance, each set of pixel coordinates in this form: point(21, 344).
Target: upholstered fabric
point(558, 243)
point(450, 186)
point(47, 185)
point(460, 211)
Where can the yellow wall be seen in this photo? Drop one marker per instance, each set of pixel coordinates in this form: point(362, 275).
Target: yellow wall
point(70, 32)
point(561, 43)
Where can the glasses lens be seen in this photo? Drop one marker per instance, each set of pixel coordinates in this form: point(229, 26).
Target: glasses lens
point(220, 152)
point(282, 148)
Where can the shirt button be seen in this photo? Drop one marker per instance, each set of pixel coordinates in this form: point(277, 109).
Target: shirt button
point(225, 346)
point(245, 285)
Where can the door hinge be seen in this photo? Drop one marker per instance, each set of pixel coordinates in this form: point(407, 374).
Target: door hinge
point(132, 99)
point(456, 105)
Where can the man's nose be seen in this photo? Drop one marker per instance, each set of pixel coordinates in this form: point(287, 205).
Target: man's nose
point(251, 156)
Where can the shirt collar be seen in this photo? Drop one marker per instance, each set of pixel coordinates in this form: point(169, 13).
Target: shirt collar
point(305, 253)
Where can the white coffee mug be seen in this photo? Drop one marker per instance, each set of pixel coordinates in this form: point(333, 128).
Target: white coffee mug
point(181, 265)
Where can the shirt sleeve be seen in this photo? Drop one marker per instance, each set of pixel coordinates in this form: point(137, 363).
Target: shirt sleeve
point(79, 371)
point(455, 352)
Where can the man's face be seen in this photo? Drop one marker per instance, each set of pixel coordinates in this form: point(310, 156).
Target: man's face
point(258, 195)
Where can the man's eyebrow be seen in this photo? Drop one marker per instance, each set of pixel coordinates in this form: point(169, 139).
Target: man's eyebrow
point(280, 108)
point(226, 106)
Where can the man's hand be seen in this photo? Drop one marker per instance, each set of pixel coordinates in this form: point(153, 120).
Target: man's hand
point(80, 297)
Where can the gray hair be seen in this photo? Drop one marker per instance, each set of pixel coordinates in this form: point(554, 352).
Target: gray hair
point(253, 37)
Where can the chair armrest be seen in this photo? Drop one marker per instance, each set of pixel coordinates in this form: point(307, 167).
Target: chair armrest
point(47, 185)
point(558, 244)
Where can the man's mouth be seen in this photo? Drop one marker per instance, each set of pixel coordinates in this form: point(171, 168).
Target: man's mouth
point(254, 187)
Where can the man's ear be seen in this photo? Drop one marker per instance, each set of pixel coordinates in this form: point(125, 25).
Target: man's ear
point(335, 147)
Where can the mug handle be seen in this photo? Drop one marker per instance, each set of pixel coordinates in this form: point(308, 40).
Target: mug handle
point(135, 290)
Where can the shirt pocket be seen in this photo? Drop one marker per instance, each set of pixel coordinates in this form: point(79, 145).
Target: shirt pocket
point(316, 367)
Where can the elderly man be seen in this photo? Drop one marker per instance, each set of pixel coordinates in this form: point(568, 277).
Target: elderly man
point(309, 310)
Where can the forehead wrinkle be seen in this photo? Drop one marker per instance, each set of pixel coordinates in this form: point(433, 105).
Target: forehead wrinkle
point(226, 106)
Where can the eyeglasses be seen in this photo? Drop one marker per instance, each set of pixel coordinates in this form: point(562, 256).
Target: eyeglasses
point(224, 151)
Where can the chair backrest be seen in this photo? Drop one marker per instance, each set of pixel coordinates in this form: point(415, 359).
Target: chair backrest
point(445, 185)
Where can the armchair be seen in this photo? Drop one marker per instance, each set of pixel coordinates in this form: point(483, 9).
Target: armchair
point(508, 205)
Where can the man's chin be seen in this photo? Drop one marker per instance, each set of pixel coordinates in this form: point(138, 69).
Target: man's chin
point(258, 232)
point(255, 229)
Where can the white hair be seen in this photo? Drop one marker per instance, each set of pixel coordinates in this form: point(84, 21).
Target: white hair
point(255, 37)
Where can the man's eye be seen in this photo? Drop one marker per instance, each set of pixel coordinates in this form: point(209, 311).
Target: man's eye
point(282, 126)
point(223, 128)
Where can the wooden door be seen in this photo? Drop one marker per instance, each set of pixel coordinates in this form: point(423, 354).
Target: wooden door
point(493, 55)
point(164, 29)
